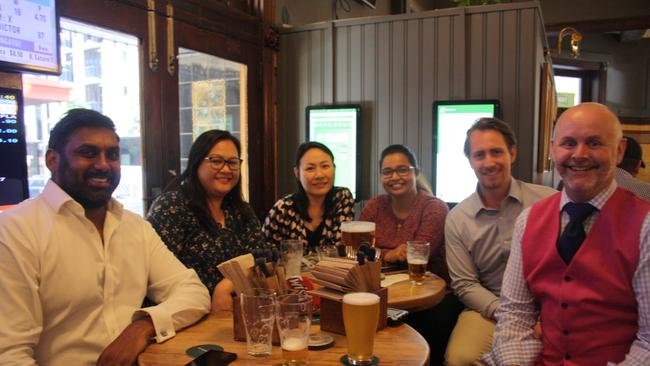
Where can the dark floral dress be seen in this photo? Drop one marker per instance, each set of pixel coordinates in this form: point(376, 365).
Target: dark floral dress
point(283, 222)
point(197, 246)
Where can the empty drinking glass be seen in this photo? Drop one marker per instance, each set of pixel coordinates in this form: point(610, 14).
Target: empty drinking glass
point(258, 312)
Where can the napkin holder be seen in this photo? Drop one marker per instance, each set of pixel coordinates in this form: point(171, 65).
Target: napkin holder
point(331, 309)
point(238, 327)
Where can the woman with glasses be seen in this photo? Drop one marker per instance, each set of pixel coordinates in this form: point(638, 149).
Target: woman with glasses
point(409, 211)
point(202, 216)
point(315, 211)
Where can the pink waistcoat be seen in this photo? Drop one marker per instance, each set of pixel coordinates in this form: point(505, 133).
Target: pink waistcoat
point(588, 308)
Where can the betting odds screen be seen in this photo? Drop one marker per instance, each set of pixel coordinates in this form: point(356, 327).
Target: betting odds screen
point(454, 179)
point(13, 165)
point(337, 128)
point(29, 35)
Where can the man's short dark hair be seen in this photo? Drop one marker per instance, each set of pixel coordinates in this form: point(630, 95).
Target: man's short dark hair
point(632, 156)
point(73, 120)
point(483, 124)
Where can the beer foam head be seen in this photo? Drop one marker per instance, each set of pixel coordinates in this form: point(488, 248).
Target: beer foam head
point(360, 298)
point(358, 226)
point(294, 344)
point(417, 261)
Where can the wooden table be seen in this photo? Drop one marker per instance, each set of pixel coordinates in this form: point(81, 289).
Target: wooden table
point(403, 295)
point(399, 346)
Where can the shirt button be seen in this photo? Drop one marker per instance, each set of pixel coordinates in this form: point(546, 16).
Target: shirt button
point(565, 332)
point(567, 278)
point(564, 305)
point(163, 333)
point(567, 356)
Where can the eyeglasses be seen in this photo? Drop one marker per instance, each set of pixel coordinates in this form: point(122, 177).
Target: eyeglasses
point(402, 171)
point(217, 163)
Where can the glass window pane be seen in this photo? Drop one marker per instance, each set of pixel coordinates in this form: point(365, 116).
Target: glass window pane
point(212, 95)
point(101, 72)
point(568, 91)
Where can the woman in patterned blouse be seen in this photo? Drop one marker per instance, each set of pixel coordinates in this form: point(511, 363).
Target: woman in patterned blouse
point(202, 217)
point(315, 211)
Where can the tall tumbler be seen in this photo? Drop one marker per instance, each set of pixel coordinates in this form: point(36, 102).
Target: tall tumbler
point(360, 317)
point(258, 312)
point(294, 324)
point(292, 256)
point(417, 256)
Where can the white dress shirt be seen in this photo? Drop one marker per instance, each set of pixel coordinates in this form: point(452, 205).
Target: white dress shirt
point(66, 294)
point(514, 342)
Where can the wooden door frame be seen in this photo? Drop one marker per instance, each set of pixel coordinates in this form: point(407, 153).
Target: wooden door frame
point(212, 28)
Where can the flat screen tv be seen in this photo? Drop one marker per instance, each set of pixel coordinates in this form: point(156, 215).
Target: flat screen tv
point(338, 126)
point(13, 165)
point(453, 178)
point(29, 36)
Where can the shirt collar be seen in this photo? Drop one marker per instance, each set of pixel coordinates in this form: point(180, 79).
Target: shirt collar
point(598, 201)
point(477, 205)
point(622, 173)
point(57, 198)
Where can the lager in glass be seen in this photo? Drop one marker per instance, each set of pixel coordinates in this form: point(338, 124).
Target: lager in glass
point(417, 256)
point(294, 325)
point(294, 350)
point(353, 233)
point(360, 317)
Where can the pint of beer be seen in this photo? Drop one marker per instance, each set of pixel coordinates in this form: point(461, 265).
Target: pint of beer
point(417, 256)
point(294, 325)
point(353, 233)
point(360, 317)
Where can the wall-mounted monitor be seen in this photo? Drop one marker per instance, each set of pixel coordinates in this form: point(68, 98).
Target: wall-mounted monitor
point(29, 36)
point(13, 166)
point(453, 178)
point(338, 126)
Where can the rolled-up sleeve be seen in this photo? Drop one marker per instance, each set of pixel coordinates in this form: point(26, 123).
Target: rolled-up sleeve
point(464, 274)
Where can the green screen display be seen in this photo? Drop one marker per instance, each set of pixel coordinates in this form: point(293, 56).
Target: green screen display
point(455, 179)
point(337, 129)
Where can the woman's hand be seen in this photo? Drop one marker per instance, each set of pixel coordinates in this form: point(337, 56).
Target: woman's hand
point(396, 255)
point(221, 298)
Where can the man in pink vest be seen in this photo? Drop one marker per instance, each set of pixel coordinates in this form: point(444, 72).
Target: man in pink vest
point(580, 259)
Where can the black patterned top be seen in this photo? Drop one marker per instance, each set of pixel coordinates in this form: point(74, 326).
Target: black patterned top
point(283, 222)
point(197, 246)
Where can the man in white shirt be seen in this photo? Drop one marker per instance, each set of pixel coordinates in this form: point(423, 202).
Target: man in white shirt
point(75, 266)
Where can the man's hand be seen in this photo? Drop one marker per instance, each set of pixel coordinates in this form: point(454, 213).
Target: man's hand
point(221, 298)
point(124, 350)
point(396, 255)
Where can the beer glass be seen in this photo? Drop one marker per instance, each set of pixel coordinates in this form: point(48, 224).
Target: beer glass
point(292, 256)
point(417, 256)
point(360, 317)
point(353, 233)
point(258, 313)
point(294, 324)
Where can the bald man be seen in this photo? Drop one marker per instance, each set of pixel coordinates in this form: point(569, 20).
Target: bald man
point(580, 259)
